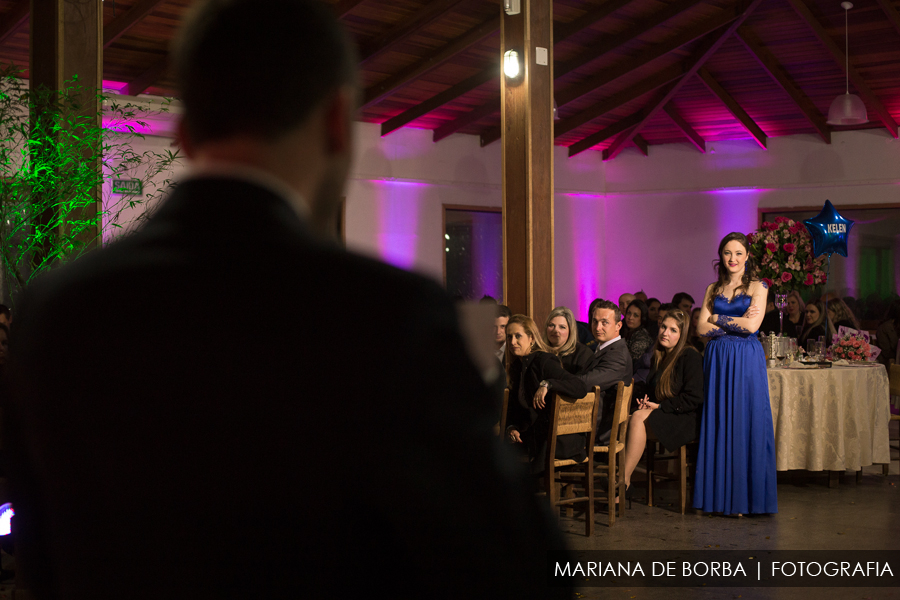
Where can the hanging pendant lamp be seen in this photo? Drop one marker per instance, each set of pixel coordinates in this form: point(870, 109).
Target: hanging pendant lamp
point(847, 109)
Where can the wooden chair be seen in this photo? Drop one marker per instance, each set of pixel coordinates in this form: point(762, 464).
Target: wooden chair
point(685, 458)
point(572, 416)
point(616, 445)
point(894, 383)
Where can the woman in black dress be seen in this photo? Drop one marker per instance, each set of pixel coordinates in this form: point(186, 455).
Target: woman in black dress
point(815, 324)
point(673, 395)
point(560, 334)
point(634, 329)
point(529, 362)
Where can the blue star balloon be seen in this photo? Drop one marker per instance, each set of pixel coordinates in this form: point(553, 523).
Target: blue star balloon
point(829, 231)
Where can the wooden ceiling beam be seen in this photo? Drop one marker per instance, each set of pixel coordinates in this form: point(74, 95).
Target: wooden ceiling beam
point(892, 13)
point(440, 55)
point(689, 132)
point(771, 65)
point(419, 19)
point(641, 144)
point(706, 49)
point(733, 107)
point(14, 18)
point(146, 79)
point(672, 44)
point(129, 19)
point(840, 58)
point(606, 133)
point(560, 33)
point(343, 7)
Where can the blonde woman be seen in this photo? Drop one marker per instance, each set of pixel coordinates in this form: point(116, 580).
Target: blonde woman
point(839, 314)
point(560, 336)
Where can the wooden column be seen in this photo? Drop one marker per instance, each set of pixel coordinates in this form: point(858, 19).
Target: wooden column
point(67, 40)
point(527, 128)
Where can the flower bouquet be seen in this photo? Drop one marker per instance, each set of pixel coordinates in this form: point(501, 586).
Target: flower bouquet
point(783, 250)
point(852, 345)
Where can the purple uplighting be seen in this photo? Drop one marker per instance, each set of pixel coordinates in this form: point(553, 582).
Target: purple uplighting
point(398, 221)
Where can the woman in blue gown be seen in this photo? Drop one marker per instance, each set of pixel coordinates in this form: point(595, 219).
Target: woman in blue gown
point(736, 460)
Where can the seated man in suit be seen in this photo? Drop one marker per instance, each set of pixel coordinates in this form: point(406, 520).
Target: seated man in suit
point(503, 315)
point(610, 364)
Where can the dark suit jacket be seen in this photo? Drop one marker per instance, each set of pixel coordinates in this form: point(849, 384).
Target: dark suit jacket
point(606, 369)
point(180, 427)
point(677, 420)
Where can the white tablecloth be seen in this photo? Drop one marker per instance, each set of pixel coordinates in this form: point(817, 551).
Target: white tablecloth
point(830, 419)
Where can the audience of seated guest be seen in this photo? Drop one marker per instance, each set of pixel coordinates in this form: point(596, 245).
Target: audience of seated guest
point(5, 316)
point(683, 301)
point(695, 340)
point(671, 400)
point(503, 315)
point(815, 324)
point(609, 364)
point(653, 317)
point(794, 315)
point(641, 295)
point(585, 334)
point(4, 344)
point(634, 330)
point(887, 334)
point(529, 364)
point(840, 316)
point(770, 323)
point(624, 301)
point(562, 340)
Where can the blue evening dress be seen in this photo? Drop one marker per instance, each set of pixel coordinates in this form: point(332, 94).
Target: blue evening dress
point(736, 459)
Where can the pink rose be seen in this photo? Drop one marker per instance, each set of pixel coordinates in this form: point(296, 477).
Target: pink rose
point(750, 237)
point(769, 283)
point(785, 277)
point(771, 247)
point(795, 228)
point(770, 226)
point(789, 248)
point(856, 343)
point(809, 279)
point(781, 219)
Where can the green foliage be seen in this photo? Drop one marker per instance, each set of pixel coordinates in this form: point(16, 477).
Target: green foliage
point(56, 153)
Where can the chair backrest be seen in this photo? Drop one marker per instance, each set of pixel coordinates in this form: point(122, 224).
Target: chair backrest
point(503, 409)
point(620, 414)
point(575, 416)
point(894, 379)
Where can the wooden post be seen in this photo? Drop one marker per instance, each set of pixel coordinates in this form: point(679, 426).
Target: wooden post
point(527, 127)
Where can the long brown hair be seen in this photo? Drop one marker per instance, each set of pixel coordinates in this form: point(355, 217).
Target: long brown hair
point(528, 324)
point(665, 359)
point(723, 274)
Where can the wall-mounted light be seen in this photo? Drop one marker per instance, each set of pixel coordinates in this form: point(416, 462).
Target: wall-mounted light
point(512, 7)
point(511, 65)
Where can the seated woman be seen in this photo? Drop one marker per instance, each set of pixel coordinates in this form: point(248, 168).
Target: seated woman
point(697, 341)
point(815, 324)
point(673, 396)
point(794, 315)
point(634, 330)
point(561, 339)
point(840, 316)
point(529, 363)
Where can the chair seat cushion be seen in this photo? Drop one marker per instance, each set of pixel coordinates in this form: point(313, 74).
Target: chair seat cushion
point(567, 462)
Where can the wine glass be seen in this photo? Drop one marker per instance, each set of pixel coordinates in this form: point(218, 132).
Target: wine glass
point(812, 349)
point(780, 303)
point(781, 347)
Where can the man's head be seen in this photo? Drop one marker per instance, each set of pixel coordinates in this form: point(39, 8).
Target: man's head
point(662, 310)
point(606, 321)
point(684, 302)
point(641, 295)
point(503, 315)
point(299, 128)
point(5, 315)
point(624, 301)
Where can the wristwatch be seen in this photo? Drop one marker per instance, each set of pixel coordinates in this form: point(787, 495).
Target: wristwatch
point(545, 384)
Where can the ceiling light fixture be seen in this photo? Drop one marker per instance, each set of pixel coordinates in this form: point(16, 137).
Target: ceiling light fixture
point(847, 109)
point(511, 64)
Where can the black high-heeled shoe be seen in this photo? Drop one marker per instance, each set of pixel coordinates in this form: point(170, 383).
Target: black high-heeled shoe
point(628, 494)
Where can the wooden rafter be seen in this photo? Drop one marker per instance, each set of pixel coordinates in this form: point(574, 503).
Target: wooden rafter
point(689, 132)
point(700, 57)
point(129, 19)
point(560, 33)
point(606, 133)
point(768, 62)
point(673, 43)
point(641, 144)
point(146, 79)
point(343, 7)
point(840, 58)
point(14, 18)
point(892, 13)
point(419, 19)
point(440, 55)
point(733, 107)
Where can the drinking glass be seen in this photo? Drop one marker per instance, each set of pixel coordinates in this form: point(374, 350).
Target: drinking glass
point(781, 347)
point(812, 349)
point(820, 348)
